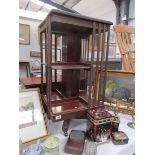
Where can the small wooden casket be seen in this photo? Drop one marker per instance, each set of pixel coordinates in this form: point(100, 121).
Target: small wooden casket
point(75, 142)
point(119, 138)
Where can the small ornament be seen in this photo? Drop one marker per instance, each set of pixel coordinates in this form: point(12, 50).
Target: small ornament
point(51, 146)
point(119, 138)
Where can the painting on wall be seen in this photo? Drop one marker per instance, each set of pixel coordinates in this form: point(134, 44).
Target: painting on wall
point(120, 85)
point(24, 34)
point(112, 51)
point(112, 38)
point(31, 120)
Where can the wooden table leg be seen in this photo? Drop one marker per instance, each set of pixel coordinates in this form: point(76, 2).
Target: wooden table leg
point(65, 127)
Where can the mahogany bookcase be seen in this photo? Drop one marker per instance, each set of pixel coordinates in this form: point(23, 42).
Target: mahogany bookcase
point(82, 62)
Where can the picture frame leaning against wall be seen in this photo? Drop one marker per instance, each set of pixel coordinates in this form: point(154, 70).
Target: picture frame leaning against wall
point(32, 125)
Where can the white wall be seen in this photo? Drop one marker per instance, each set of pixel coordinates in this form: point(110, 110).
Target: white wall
point(24, 50)
point(102, 9)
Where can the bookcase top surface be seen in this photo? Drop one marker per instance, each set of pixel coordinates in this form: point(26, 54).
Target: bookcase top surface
point(75, 15)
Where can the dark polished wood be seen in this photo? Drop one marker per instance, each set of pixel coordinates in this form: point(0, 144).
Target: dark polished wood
point(75, 31)
point(36, 81)
point(68, 106)
point(35, 54)
point(24, 61)
point(68, 66)
point(70, 82)
point(75, 142)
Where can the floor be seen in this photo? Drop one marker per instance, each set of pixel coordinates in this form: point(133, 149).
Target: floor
point(107, 149)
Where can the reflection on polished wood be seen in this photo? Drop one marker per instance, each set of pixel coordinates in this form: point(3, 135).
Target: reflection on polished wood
point(55, 97)
point(37, 80)
point(71, 105)
point(78, 66)
point(75, 32)
point(65, 107)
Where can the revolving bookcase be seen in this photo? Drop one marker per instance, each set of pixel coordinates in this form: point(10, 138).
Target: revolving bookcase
point(74, 47)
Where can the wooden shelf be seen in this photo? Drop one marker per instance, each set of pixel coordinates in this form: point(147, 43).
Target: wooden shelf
point(77, 37)
point(68, 106)
point(65, 108)
point(55, 97)
point(35, 54)
point(70, 67)
point(36, 81)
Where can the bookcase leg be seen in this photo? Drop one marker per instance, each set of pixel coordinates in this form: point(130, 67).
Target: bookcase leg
point(65, 127)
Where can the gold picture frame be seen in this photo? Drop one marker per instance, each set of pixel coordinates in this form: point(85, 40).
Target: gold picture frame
point(120, 91)
point(24, 34)
point(32, 125)
point(117, 79)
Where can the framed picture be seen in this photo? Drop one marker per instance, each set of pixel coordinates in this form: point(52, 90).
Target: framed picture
point(24, 34)
point(120, 85)
point(112, 51)
point(31, 120)
point(112, 38)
